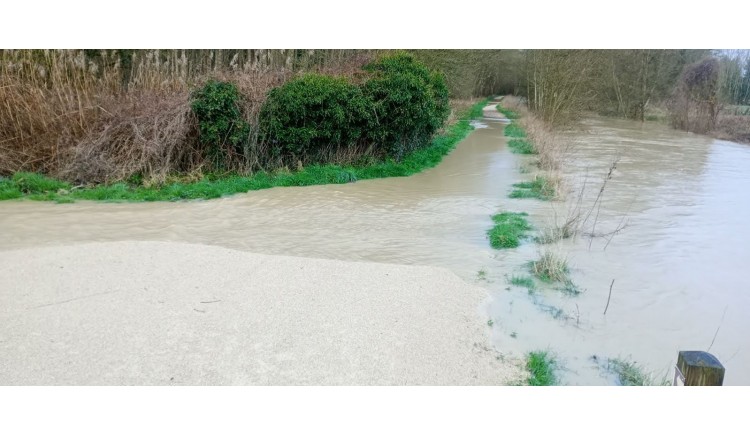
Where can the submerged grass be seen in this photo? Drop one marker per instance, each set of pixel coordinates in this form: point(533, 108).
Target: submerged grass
point(521, 146)
point(541, 366)
point(540, 187)
point(509, 229)
point(41, 188)
point(551, 268)
point(630, 374)
point(523, 281)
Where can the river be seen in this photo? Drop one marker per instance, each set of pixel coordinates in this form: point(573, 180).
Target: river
point(676, 265)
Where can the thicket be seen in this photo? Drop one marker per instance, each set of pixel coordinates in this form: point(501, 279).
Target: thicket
point(394, 108)
point(220, 122)
point(90, 116)
point(704, 91)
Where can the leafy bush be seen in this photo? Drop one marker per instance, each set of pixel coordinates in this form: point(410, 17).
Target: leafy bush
point(410, 103)
point(221, 125)
point(313, 112)
point(397, 109)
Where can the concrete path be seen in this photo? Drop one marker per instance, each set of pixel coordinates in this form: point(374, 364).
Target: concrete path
point(145, 313)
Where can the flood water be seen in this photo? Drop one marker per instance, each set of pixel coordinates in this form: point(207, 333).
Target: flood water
point(677, 265)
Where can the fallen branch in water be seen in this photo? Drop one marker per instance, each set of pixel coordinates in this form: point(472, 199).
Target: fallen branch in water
point(609, 297)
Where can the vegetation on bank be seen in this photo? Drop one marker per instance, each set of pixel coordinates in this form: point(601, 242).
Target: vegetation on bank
point(540, 187)
point(521, 146)
point(514, 130)
point(510, 114)
point(38, 187)
point(78, 116)
point(541, 367)
point(509, 230)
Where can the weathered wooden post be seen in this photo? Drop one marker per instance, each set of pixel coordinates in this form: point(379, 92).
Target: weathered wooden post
point(697, 368)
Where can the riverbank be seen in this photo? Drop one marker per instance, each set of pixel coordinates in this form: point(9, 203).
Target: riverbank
point(39, 188)
point(205, 315)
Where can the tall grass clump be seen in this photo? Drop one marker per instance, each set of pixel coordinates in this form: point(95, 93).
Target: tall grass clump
point(551, 267)
point(541, 367)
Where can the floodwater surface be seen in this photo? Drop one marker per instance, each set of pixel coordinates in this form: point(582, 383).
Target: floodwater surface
point(677, 261)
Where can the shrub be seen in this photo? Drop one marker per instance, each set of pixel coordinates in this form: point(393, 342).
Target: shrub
point(220, 121)
point(410, 103)
point(309, 114)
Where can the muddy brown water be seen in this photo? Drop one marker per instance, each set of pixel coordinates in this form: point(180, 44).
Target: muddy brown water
point(678, 265)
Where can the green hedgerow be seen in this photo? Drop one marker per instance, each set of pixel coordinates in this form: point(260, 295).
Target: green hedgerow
point(308, 114)
point(410, 103)
point(220, 121)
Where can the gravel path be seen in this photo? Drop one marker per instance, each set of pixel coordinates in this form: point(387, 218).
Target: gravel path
point(157, 313)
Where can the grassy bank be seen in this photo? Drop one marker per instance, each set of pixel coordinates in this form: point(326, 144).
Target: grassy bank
point(40, 188)
point(528, 134)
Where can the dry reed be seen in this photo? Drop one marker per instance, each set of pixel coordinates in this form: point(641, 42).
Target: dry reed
point(103, 116)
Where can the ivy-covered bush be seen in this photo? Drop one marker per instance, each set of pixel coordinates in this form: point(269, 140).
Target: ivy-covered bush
point(395, 110)
point(221, 125)
point(312, 113)
point(410, 102)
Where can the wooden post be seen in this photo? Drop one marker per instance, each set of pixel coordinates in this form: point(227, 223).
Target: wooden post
point(696, 368)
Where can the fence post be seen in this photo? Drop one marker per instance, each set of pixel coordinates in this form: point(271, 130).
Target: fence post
point(697, 368)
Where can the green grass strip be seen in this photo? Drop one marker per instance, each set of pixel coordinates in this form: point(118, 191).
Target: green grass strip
point(509, 229)
point(541, 366)
point(510, 114)
point(538, 188)
point(40, 188)
point(514, 130)
point(521, 146)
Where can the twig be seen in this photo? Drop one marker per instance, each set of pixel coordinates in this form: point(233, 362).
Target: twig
point(717, 329)
point(609, 297)
point(210, 302)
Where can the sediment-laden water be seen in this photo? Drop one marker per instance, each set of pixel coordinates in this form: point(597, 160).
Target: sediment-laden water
point(677, 265)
